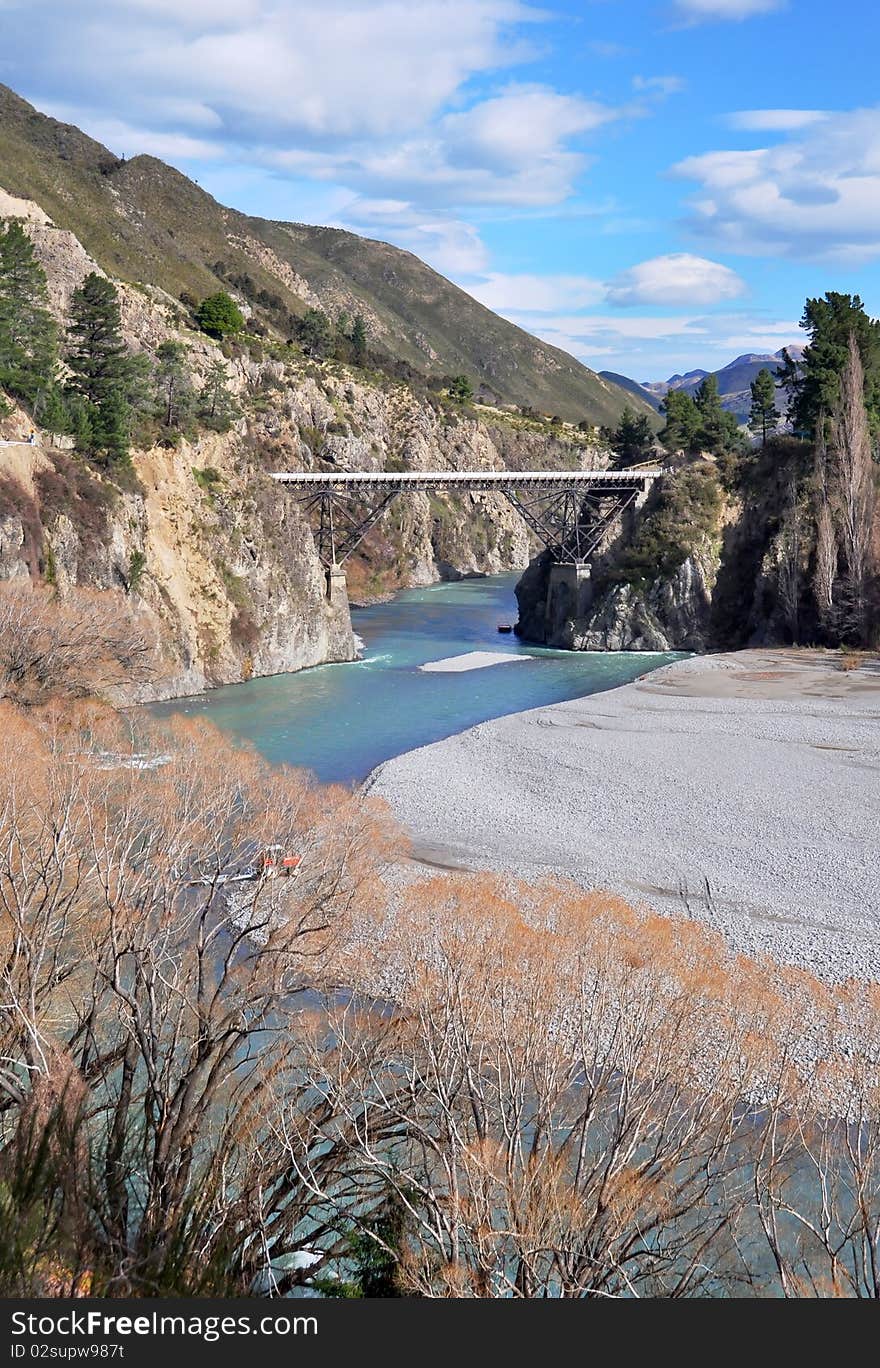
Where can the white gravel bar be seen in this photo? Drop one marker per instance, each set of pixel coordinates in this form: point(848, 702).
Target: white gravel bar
point(471, 660)
point(741, 789)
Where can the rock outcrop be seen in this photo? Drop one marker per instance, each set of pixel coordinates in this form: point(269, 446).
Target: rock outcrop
point(605, 607)
point(208, 548)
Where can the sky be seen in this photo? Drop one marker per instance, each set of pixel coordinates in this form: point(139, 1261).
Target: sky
point(652, 185)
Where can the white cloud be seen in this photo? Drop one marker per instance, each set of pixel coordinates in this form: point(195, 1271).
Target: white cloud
point(697, 10)
point(775, 120)
point(130, 141)
point(675, 279)
point(600, 48)
point(376, 96)
point(650, 348)
point(447, 243)
point(275, 72)
point(536, 293)
point(659, 85)
point(814, 194)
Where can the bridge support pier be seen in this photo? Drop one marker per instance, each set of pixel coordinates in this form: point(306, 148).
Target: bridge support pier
point(337, 599)
point(337, 589)
point(569, 596)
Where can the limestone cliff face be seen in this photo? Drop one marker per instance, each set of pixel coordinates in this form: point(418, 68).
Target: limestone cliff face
point(600, 609)
point(672, 614)
point(214, 555)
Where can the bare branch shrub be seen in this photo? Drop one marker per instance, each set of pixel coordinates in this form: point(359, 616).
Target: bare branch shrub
point(83, 644)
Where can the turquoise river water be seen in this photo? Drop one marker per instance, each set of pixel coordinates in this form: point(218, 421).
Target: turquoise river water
point(340, 721)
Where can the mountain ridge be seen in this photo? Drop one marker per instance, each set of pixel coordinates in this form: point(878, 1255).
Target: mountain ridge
point(146, 222)
point(734, 380)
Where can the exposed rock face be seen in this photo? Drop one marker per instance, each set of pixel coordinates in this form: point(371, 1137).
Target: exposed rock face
point(569, 613)
point(211, 551)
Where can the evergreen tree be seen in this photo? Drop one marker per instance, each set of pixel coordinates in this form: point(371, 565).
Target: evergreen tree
point(682, 422)
point(316, 333)
point(763, 415)
point(217, 407)
point(28, 337)
point(718, 430)
point(219, 315)
point(359, 339)
point(97, 355)
point(831, 321)
point(174, 387)
point(50, 410)
point(788, 378)
point(101, 368)
point(632, 440)
point(461, 391)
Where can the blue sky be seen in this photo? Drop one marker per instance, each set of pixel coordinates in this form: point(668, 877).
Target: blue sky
point(653, 185)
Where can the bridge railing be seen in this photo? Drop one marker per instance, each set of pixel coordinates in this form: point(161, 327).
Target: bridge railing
point(570, 511)
point(471, 479)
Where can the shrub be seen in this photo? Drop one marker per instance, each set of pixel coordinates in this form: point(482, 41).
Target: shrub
point(679, 516)
point(219, 315)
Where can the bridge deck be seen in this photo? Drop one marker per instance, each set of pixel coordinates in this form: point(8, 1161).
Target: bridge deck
point(610, 480)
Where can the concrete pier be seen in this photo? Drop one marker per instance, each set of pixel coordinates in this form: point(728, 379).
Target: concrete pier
point(569, 596)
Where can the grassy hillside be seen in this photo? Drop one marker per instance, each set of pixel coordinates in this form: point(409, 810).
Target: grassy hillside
point(144, 221)
point(632, 388)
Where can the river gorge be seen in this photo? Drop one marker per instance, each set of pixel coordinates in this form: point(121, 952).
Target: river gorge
point(341, 721)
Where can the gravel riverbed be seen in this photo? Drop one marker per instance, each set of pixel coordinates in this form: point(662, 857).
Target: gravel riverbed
point(739, 789)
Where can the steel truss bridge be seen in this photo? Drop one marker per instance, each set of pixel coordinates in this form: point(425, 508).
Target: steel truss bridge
point(569, 511)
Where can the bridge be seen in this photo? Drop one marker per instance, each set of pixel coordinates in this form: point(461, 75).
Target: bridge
point(568, 510)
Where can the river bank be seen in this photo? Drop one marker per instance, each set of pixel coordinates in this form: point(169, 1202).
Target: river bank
point(341, 721)
point(739, 789)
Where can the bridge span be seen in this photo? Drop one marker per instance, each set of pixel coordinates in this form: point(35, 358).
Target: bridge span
point(568, 510)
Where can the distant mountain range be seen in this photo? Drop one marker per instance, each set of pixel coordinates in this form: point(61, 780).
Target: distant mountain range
point(734, 381)
point(145, 222)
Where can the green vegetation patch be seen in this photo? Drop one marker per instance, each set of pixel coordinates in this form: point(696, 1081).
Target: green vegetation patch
point(685, 510)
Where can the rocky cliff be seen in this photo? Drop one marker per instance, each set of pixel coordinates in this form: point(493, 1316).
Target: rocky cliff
point(668, 614)
point(711, 561)
point(652, 586)
point(205, 546)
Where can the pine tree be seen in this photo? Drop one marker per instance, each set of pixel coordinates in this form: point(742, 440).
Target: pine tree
point(359, 339)
point(718, 430)
point(682, 422)
point(173, 387)
point(316, 333)
point(831, 321)
point(28, 337)
point(632, 440)
point(789, 379)
point(461, 391)
point(763, 415)
point(217, 407)
point(101, 368)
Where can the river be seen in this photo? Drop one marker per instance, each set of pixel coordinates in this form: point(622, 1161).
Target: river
point(340, 721)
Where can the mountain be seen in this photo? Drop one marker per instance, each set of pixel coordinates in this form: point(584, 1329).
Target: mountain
point(145, 222)
point(632, 387)
point(734, 379)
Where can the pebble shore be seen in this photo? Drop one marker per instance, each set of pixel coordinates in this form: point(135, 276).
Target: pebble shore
point(742, 790)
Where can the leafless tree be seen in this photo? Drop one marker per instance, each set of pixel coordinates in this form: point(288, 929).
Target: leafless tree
point(149, 1020)
point(825, 571)
point(855, 494)
point(207, 1083)
point(84, 644)
point(791, 551)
